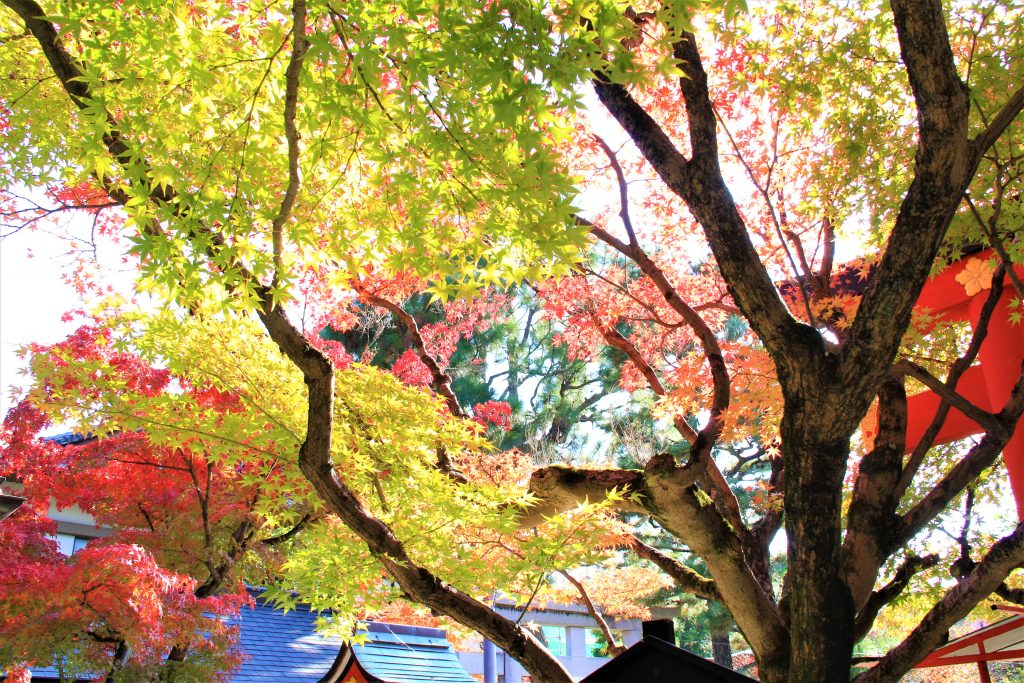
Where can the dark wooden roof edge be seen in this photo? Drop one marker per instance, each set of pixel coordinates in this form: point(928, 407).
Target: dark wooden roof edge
point(340, 665)
point(344, 663)
point(638, 649)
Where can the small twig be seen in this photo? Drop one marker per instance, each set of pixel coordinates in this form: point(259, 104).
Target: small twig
point(614, 648)
point(627, 222)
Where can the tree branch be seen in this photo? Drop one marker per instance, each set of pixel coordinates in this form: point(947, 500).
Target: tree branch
point(559, 488)
point(440, 381)
point(620, 177)
point(943, 167)
point(315, 453)
point(291, 100)
point(991, 231)
point(1004, 557)
point(872, 512)
point(614, 648)
point(1000, 123)
point(965, 564)
point(890, 591)
point(984, 418)
point(298, 526)
point(704, 441)
point(959, 367)
point(699, 183)
point(685, 578)
point(615, 339)
point(967, 470)
point(686, 511)
point(73, 80)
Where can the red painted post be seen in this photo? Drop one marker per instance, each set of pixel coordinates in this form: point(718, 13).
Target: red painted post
point(988, 383)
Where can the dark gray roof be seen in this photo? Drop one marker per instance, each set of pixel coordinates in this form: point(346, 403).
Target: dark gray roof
point(409, 654)
point(278, 647)
point(283, 647)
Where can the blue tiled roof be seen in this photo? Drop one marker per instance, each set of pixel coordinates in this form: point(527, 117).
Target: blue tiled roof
point(286, 648)
point(278, 647)
point(283, 647)
point(68, 438)
point(51, 673)
point(409, 654)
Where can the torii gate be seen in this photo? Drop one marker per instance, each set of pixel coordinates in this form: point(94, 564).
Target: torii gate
point(989, 382)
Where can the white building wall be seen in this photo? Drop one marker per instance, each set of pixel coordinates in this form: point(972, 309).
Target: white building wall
point(576, 621)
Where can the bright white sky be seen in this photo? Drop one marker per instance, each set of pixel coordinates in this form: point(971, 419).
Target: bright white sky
point(34, 297)
point(32, 300)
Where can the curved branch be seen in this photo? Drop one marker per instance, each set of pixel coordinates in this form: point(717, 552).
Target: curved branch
point(615, 339)
point(620, 177)
point(440, 381)
point(686, 578)
point(763, 531)
point(890, 591)
point(1005, 556)
point(624, 290)
point(701, 442)
point(72, 79)
point(700, 464)
point(965, 564)
point(990, 229)
point(614, 649)
point(779, 222)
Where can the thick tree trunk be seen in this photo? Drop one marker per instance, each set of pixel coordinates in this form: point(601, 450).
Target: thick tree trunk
point(169, 671)
point(721, 648)
point(821, 613)
point(121, 653)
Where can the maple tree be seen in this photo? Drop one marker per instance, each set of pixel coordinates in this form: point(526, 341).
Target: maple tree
point(201, 487)
point(185, 514)
point(362, 157)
